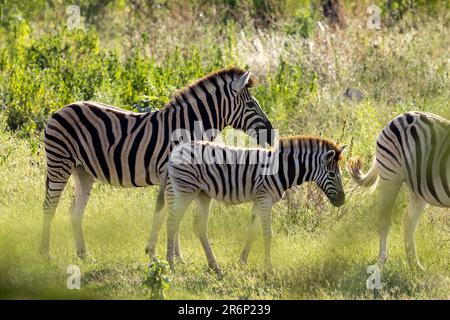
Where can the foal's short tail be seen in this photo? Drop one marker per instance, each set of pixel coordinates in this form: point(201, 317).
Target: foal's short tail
point(368, 180)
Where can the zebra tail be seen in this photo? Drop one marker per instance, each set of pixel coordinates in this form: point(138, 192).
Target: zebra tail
point(160, 200)
point(368, 180)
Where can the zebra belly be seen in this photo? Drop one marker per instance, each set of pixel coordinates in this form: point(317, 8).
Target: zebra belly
point(438, 196)
point(126, 175)
point(432, 201)
point(434, 188)
point(228, 199)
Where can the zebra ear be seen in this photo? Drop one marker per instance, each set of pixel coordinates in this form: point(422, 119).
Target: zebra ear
point(342, 149)
point(329, 156)
point(239, 84)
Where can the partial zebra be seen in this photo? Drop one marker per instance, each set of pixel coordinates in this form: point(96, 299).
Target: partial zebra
point(413, 148)
point(202, 171)
point(93, 141)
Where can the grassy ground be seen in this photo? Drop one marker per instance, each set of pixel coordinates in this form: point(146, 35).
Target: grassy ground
point(319, 252)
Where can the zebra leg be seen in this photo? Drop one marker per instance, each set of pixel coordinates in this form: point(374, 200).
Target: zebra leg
point(158, 219)
point(201, 230)
point(176, 248)
point(264, 208)
point(254, 224)
point(415, 209)
point(83, 186)
point(389, 191)
point(177, 252)
point(54, 186)
point(177, 206)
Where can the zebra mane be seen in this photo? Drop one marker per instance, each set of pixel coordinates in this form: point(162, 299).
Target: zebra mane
point(185, 94)
point(295, 143)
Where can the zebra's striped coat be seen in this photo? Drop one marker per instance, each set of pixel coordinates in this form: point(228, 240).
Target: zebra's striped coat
point(414, 148)
point(237, 175)
point(94, 141)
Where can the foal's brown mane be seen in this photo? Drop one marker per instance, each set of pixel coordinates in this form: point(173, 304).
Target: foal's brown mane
point(295, 142)
point(232, 72)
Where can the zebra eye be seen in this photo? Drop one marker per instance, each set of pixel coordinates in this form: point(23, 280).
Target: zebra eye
point(332, 174)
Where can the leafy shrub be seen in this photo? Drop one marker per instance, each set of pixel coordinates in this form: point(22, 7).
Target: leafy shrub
point(45, 73)
point(396, 9)
point(157, 280)
point(303, 24)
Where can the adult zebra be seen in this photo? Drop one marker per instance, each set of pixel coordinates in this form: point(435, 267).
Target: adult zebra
point(92, 141)
point(202, 171)
point(413, 148)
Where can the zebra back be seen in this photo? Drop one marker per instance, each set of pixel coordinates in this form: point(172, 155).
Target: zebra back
point(131, 149)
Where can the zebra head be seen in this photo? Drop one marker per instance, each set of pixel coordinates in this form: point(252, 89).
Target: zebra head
point(248, 115)
point(329, 176)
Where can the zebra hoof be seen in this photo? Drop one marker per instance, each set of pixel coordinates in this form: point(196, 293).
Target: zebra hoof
point(179, 259)
point(213, 266)
point(82, 254)
point(218, 271)
point(150, 252)
point(416, 267)
point(382, 261)
point(171, 265)
point(269, 268)
point(45, 254)
point(149, 249)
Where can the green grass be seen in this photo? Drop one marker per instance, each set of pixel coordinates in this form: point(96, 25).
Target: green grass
point(319, 252)
point(329, 262)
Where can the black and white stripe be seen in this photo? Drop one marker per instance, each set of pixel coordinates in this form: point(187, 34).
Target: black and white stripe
point(94, 141)
point(238, 175)
point(414, 148)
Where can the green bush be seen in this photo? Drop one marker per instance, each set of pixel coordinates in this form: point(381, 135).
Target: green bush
point(396, 9)
point(44, 74)
point(157, 280)
point(304, 21)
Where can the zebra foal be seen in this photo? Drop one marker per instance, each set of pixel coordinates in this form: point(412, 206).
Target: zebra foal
point(202, 171)
point(92, 141)
point(414, 148)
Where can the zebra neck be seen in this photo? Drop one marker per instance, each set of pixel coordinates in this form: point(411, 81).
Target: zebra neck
point(199, 123)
